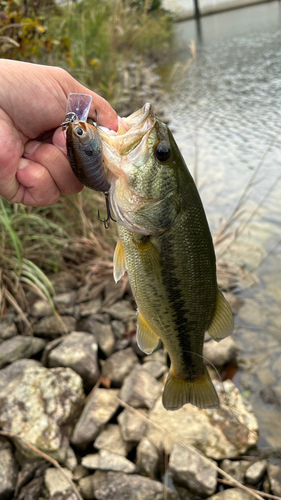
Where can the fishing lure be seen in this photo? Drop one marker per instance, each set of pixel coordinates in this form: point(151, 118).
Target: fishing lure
point(84, 148)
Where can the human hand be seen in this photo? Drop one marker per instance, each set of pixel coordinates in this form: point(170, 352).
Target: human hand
point(34, 169)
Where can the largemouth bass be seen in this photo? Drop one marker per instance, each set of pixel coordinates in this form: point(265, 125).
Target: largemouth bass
point(166, 247)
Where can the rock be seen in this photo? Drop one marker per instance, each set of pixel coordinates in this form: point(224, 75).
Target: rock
point(235, 468)
point(140, 389)
point(220, 353)
point(19, 347)
point(232, 494)
point(122, 344)
point(118, 328)
point(8, 328)
point(132, 426)
point(91, 307)
point(98, 411)
point(106, 460)
point(274, 476)
point(155, 368)
point(256, 471)
point(120, 486)
point(41, 308)
point(36, 403)
point(266, 377)
point(79, 472)
point(8, 470)
point(158, 355)
point(102, 332)
point(121, 310)
point(269, 395)
point(217, 433)
point(192, 471)
point(119, 365)
point(86, 487)
point(91, 461)
point(111, 439)
point(147, 458)
point(65, 299)
point(78, 351)
point(55, 481)
point(63, 282)
point(70, 460)
point(54, 327)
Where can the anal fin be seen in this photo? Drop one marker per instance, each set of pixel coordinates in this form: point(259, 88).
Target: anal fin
point(119, 262)
point(223, 323)
point(199, 392)
point(146, 338)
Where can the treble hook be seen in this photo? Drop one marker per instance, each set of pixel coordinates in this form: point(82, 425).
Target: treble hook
point(106, 222)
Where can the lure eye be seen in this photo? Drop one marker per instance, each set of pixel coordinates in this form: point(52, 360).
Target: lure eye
point(162, 151)
point(79, 131)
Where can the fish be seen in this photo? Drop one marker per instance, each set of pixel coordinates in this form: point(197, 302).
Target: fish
point(166, 247)
point(84, 151)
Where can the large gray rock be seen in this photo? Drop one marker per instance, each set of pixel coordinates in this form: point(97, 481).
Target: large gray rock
point(19, 347)
point(98, 411)
point(220, 353)
point(192, 471)
point(119, 365)
point(54, 327)
point(111, 439)
point(121, 310)
point(232, 494)
point(8, 470)
point(147, 458)
point(132, 426)
point(66, 299)
point(274, 476)
point(118, 328)
point(220, 433)
point(120, 486)
point(78, 351)
point(140, 389)
point(8, 328)
point(106, 460)
point(102, 332)
point(36, 403)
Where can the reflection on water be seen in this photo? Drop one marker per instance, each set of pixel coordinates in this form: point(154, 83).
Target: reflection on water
point(229, 103)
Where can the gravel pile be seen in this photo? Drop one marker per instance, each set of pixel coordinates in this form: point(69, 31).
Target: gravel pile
point(63, 389)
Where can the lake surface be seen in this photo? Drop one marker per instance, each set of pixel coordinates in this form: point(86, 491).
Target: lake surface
point(225, 113)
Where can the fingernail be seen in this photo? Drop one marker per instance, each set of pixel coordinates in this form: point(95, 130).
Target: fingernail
point(30, 147)
point(22, 163)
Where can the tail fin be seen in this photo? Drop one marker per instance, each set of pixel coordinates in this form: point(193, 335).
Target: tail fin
point(199, 392)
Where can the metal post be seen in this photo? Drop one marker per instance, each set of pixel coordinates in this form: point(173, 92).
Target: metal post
point(197, 10)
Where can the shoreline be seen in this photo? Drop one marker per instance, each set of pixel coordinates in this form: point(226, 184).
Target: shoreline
point(210, 10)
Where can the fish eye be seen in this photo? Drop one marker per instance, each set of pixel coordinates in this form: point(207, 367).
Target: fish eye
point(79, 131)
point(162, 151)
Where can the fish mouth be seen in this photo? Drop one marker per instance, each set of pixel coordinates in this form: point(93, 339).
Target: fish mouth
point(131, 133)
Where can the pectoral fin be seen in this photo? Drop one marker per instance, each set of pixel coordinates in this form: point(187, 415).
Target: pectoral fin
point(149, 255)
point(222, 324)
point(119, 262)
point(146, 338)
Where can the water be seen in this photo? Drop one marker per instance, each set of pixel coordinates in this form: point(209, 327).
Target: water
point(226, 110)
